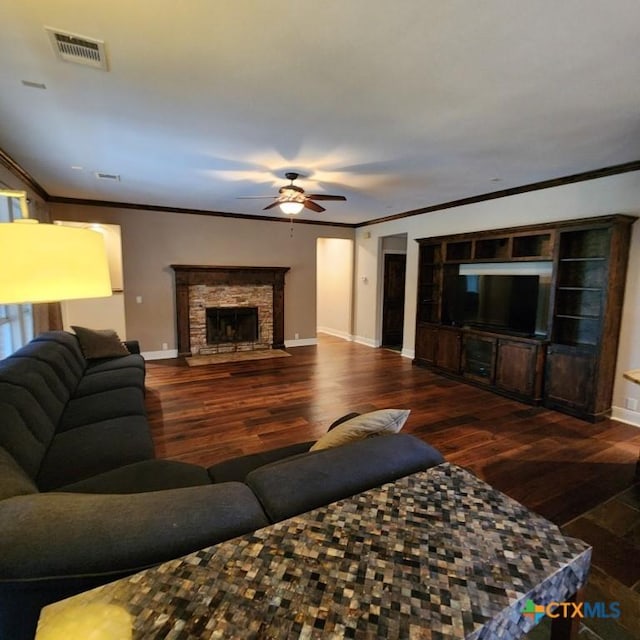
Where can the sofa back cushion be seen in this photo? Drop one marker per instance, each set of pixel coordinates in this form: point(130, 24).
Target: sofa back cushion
point(36, 383)
point(13, 479)
point(310, 480)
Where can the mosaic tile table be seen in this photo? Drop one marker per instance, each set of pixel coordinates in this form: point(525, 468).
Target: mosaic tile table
point(439, 555)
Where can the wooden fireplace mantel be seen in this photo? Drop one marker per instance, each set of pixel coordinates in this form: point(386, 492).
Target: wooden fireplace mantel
point(190, 274)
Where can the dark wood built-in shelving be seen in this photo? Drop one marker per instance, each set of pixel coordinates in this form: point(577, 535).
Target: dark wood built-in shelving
point(569, 366)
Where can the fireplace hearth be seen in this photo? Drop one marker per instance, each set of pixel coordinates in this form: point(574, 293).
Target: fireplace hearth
point(231, 324)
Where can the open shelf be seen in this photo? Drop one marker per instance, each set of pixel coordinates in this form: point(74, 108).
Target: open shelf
point(532, 246)
point(493, 249)
point(457, 251)
point(586, 243)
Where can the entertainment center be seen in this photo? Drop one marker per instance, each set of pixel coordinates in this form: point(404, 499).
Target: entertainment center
point(529, 312)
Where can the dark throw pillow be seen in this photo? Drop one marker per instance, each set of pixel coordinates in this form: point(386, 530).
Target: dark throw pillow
point(100, 343)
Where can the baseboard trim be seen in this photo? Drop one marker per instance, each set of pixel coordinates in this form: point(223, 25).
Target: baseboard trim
point(302, 342)
point(160, 355)
point(626, 416)
point(335, 333)
point(409, 353)
point(368, 342)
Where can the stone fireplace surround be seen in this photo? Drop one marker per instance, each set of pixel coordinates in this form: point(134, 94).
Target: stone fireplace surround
point(188, 277)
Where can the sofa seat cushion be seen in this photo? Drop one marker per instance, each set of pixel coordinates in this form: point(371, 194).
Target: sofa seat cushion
point(295, 485)
point(110, 379)
point(237, 469)
point(96, 407)
point(140, 477)
point(83, 452)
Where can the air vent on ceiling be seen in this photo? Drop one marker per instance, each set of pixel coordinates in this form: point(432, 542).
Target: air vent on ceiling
point(80, 49)
point(107, 176)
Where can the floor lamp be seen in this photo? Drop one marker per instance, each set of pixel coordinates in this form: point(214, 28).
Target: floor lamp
point(42, 262)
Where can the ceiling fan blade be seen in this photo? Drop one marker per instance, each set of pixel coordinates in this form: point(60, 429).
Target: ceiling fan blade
point(322, 196)
point(310, 204)
point(270, 206)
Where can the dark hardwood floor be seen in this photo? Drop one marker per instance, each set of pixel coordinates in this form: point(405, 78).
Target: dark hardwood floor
point(558, 466)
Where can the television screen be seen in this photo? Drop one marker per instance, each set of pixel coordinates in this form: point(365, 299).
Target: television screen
point(500, 302)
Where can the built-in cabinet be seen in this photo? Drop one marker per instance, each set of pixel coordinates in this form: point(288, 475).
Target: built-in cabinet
point(591, 261)
point(440, 347)
point(569, 365)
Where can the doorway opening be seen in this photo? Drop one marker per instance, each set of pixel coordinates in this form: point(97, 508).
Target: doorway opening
point(394, 277)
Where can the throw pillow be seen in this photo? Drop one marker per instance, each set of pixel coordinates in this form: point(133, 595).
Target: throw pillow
point(366, 425)
point(344, 418)
point(100, 343)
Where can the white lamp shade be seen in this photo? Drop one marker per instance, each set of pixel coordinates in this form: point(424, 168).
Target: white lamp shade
point(49, 263)
point(291, 208)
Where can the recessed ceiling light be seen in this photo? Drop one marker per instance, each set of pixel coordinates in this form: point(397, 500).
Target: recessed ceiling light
point(34, 85)
point(76, 167)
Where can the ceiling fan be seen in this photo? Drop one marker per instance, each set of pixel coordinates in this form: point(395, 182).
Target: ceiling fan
point(292, 199)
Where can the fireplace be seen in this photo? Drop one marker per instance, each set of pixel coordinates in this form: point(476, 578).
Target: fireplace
point(201, 287)
point(231, 324)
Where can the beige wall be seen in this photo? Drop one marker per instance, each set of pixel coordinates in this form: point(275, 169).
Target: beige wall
point(334, 286)
point(615, 194)
point(152, 241)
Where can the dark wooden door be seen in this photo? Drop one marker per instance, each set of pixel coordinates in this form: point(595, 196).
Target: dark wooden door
point(517, 368)
point(449, 351)
point(426, 344)
point(479, 357)
point(395, 267)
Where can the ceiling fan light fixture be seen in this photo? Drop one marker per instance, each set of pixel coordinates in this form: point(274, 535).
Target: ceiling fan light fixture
point(291, 207)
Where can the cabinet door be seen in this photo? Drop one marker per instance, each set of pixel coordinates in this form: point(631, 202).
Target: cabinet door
point(519, 368)
point(426, 343)
point(569, 378)
point(478, 359)
point(449, 350)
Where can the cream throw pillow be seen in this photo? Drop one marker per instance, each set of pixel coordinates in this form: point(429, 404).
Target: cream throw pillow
point(366, 425)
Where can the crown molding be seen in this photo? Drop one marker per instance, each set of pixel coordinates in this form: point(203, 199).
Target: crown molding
point(195, 212)
point(27, 178)
point(534, 186)
point(17, 170)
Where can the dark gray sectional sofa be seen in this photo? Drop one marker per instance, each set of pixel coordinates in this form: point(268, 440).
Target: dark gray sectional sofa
point(83, 501)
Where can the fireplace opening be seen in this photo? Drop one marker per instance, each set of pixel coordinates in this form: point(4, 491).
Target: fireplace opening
point(232, 324)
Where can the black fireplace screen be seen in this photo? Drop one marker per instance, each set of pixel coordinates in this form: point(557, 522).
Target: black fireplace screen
point(232, 324)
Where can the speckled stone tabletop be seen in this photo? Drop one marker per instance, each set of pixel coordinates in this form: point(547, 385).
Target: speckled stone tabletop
point(438, 555)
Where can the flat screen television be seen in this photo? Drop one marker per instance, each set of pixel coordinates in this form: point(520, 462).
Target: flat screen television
point(505, 303)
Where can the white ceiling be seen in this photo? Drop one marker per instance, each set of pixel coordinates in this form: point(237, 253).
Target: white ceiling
point(397, 105)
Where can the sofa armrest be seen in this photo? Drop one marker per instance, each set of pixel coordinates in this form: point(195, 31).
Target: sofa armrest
point(64, 534)
point(133, 346)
